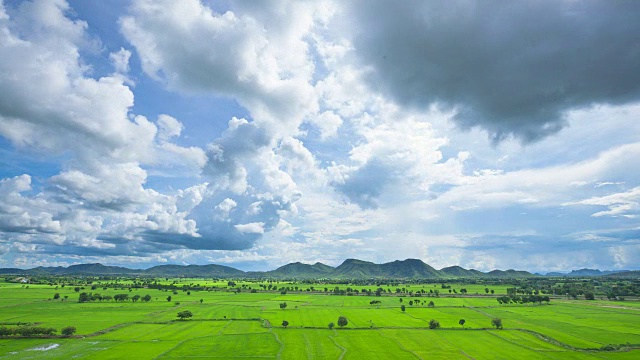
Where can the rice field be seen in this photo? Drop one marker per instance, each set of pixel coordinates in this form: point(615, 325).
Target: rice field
point(228, 325)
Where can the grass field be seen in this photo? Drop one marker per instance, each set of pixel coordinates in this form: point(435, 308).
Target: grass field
point(227, 325)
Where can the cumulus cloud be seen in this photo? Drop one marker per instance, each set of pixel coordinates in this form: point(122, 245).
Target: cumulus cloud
point(512, 70)
point(260, 60)
point(22, 214)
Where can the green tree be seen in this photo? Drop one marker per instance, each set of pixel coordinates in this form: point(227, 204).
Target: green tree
point(403, 308)
point(56, 296)
point(342, 321)
point(135, 298)
point(283, 305)
point(461, 322)
point(68, 331)
point(183, 315)
point(434, 324)
point(589, 296)
point(431, 304)
point(146, 298)
point(201, 300)
point(331, 325)
point(84, 297)
point(285, 323)
point(169, 298)
point(497, 323)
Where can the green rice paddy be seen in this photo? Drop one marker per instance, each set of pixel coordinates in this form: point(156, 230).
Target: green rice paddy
point(228, 325)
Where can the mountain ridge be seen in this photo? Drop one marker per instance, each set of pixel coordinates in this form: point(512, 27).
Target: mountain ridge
point(349, 269)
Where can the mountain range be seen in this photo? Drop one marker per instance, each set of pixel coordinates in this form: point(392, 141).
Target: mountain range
point(349, 269)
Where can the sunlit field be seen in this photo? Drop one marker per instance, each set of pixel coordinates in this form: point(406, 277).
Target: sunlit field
point(227, 324)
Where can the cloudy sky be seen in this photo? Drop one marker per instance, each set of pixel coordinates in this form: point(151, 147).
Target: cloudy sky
point(252, 134)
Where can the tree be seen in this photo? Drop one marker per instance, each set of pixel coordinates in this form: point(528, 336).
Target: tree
point(497, 323)
point(68, 331)
point(135, 298)
point(431, 304)
point(434, 324)
point(461, 322)
point(56, 296)
point(589, 296)
point(285, 323)
point(169, 298)
point(331, 325)
point(121, 297)
point(146, 298)
point(403, 308)
point(201, 300)
point(84, 297)
point(342, 321)
point(183, 315)
point(283, 305)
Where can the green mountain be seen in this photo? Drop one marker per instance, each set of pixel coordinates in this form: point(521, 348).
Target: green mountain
point(349, 269)
point(354, 268)
point(509, 274)
point(298, 270)
point(407, 269)
point(624, 274)
point(457, 271)
point(210, 270)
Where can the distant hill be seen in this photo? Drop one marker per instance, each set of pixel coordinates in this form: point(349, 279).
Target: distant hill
point(210, 270)
point(624, 274)
point(12, 271)
point(509, 274)
point(405, 269)
point(555, 274)
point(354, 268)
point(349, 269)
point(586, 272)
point(298, 270)
point(457, 271)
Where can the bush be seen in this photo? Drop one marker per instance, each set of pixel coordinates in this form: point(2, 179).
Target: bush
point(68, 331)
point(434, 324)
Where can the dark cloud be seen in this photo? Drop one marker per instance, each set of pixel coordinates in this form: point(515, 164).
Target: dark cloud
point(512, 68)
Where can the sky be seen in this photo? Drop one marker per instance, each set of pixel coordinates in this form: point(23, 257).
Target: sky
point(489, 135)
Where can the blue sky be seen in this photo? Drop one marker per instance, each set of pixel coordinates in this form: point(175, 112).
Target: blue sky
point(254, 134)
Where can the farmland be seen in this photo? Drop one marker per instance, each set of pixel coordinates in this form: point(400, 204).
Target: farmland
point(244, 320)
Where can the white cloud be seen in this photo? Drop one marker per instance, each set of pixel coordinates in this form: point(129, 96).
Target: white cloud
point(254, 228)
point(625, 204)
point(120, 60)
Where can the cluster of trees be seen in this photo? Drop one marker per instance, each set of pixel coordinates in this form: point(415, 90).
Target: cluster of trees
point(87, 297)
point(524, 299)
point(183, 315)
point(418, 302)
point(31, 331)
